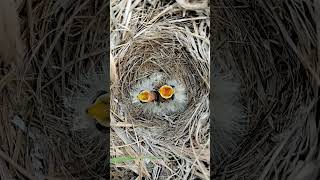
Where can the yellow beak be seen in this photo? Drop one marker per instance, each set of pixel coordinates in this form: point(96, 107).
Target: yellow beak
point(166, 91)
point(99, 110)
point(146, 96)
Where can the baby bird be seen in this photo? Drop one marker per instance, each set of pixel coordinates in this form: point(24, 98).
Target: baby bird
point(89, 100)
point(166, 92)
point(146, 96)
point(159, 95)
point(99, 109)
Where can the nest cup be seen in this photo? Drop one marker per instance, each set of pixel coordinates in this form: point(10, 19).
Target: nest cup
point(160, 52)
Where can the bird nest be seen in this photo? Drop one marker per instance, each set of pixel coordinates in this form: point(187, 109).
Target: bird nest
point(265, 60)
point(43, 91)
point(162, 47)
point(273, 60)
point(164, 55)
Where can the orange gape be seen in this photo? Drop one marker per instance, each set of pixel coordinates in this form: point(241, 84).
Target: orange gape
point(166, 91)
point(146, 96)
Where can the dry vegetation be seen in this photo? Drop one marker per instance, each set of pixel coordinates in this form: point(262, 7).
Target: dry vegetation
point(272, 46)
point(148, 38)
point(63, 39)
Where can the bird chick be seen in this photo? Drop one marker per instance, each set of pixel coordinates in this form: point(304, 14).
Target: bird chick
point(158, 95)
point(88, 100)
point(146, 96)
point(99, 110)
point(166, 91)
point(174, 97)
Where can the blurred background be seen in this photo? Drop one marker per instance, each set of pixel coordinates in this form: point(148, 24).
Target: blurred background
point(50, 52)
point(274, 48)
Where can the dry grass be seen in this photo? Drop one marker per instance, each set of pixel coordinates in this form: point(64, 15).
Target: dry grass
point(63, 39)
point(274, 47)
point(150, 38)
point(65, 42)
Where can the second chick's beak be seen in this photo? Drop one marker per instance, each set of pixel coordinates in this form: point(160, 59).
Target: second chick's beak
point(166, 91)
point(147, 96)
point(99, 110)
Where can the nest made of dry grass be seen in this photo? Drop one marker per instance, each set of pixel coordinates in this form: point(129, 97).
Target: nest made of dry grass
point(157, 37)
point(63, 40)
point(272, 45)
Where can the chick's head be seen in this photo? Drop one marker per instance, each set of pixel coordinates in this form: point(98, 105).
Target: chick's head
point(99, 110)
point(166, 91)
